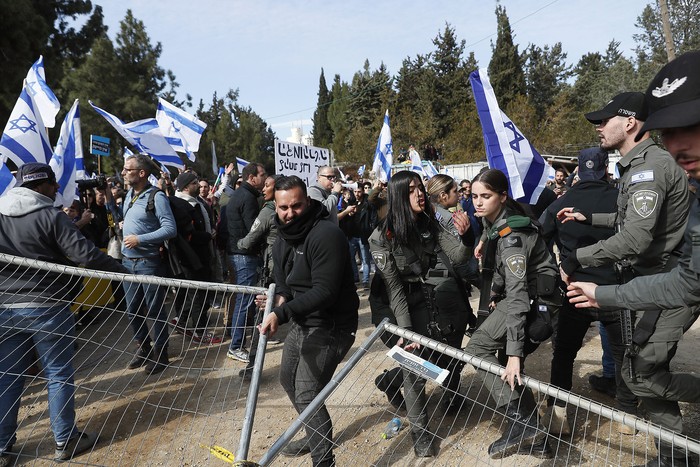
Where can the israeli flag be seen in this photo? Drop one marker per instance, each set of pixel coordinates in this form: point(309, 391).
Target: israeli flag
point(240, 163)
point(7, 180)
point(384, 154)
point(46, 103)
point(361, 171)
point(182, 130)
point(25, 138)
point(430, 170)
point(416, 162)
point(67, 158)
point(507, 149)
point(145, 135)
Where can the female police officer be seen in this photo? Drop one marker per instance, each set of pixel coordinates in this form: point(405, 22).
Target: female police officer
point(526, 291)
point(406, 247)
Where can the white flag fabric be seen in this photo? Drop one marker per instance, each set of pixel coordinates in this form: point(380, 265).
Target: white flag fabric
point(507, 149)
point(67, 158)
point(182, 130)
point(430, 170)
point(416, 162)
point(46, 103)
point(361, 170)
point(145, 135)
point(240, 163)
point(384, 154)
point(25, 138)
point(214, 162)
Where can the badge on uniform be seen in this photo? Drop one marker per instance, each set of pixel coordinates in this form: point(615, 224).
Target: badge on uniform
point(644, 202)
point(516, 264)
point(255, 225)
point(643, 176)
point(379, 259)
point(513, 241)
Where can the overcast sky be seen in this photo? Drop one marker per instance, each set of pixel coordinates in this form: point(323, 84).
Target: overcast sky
point(273, 51)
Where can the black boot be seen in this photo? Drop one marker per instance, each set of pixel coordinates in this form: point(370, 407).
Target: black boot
point(390, 383)
point(422, 442)
point(523, 429)
point(541, 450)
point(144, 352)
point(158, 362)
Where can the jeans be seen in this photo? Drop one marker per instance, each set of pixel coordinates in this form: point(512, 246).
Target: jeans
point(355, 245)
point(49, 331)
point(309, 359)
point(152, 295)
point(246, 267)
point(607, 360)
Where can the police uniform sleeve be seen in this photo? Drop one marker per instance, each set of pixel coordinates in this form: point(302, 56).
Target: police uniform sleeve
point(386, 266)
point(674, 289)
point(644, 201)
point(513, 254)
point(456, 251)
point(258, 231)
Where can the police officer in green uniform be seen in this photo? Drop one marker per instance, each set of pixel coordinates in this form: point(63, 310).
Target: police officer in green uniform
point(416, 292)
point(673, 101)
point(526, 297)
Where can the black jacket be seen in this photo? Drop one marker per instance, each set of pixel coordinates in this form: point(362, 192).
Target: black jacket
point(241, 211)
point(589, 196)
point(313, 272)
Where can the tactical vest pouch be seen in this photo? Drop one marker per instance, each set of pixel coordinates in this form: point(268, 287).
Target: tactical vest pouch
point(541, 321)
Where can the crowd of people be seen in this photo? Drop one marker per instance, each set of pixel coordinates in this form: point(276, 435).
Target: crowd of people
point(593, 244)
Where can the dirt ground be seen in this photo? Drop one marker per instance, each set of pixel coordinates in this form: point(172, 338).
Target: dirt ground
point(172, 418)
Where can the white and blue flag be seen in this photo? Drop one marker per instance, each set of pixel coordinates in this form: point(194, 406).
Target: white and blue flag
point(67, 158)
point(7, 180)
point(182, 130)
point(240, 163)
point(46, 103)
point(145, 135)
point(416, 162)
point(361, 170)
point(430, 170)
point(507, 149)
point(214, 162)
point(384, 154)
point(25, 138)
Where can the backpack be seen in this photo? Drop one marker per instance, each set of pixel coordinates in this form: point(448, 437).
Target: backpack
point(182, 259)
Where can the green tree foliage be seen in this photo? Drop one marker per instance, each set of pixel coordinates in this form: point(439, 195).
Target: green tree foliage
point(506, 67)
point(546, 73)
point(322, 130)
point(338, 115)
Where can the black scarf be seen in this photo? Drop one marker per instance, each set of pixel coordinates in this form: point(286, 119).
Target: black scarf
point(296, 231)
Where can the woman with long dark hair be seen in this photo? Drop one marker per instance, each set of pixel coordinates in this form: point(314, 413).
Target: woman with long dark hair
point(417, 293)
point(525, 296)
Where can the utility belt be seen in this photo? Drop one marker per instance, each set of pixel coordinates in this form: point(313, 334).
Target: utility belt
point(544, 308)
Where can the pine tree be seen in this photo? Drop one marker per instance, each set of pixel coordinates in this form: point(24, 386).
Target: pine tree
point(322, 131)
point(505, 69)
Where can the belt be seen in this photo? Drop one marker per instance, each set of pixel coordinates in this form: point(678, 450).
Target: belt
point(143, 258)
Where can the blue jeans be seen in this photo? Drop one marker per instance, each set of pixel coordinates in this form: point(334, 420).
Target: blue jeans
point(607, 360)
point(355, 245)
point(152, 296)
point(49, 330)
point(246, 267)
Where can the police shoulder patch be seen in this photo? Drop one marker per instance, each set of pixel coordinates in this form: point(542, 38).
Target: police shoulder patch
point(644, 202)
point(379, 259)
point(517, 265)
point(255, 225)
point(512, 241)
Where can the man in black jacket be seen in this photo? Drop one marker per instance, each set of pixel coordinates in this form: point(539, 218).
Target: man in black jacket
point(241, 211)
point(591, 193)
point(316, 292)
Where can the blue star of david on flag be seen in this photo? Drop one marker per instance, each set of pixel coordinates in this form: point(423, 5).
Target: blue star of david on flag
point(517, 137)
point(384, 154)
point(27, 124)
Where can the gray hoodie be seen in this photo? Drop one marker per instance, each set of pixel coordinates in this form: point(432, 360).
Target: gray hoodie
point(31, 227)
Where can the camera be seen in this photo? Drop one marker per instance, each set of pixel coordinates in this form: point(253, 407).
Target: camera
point(99, 182)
